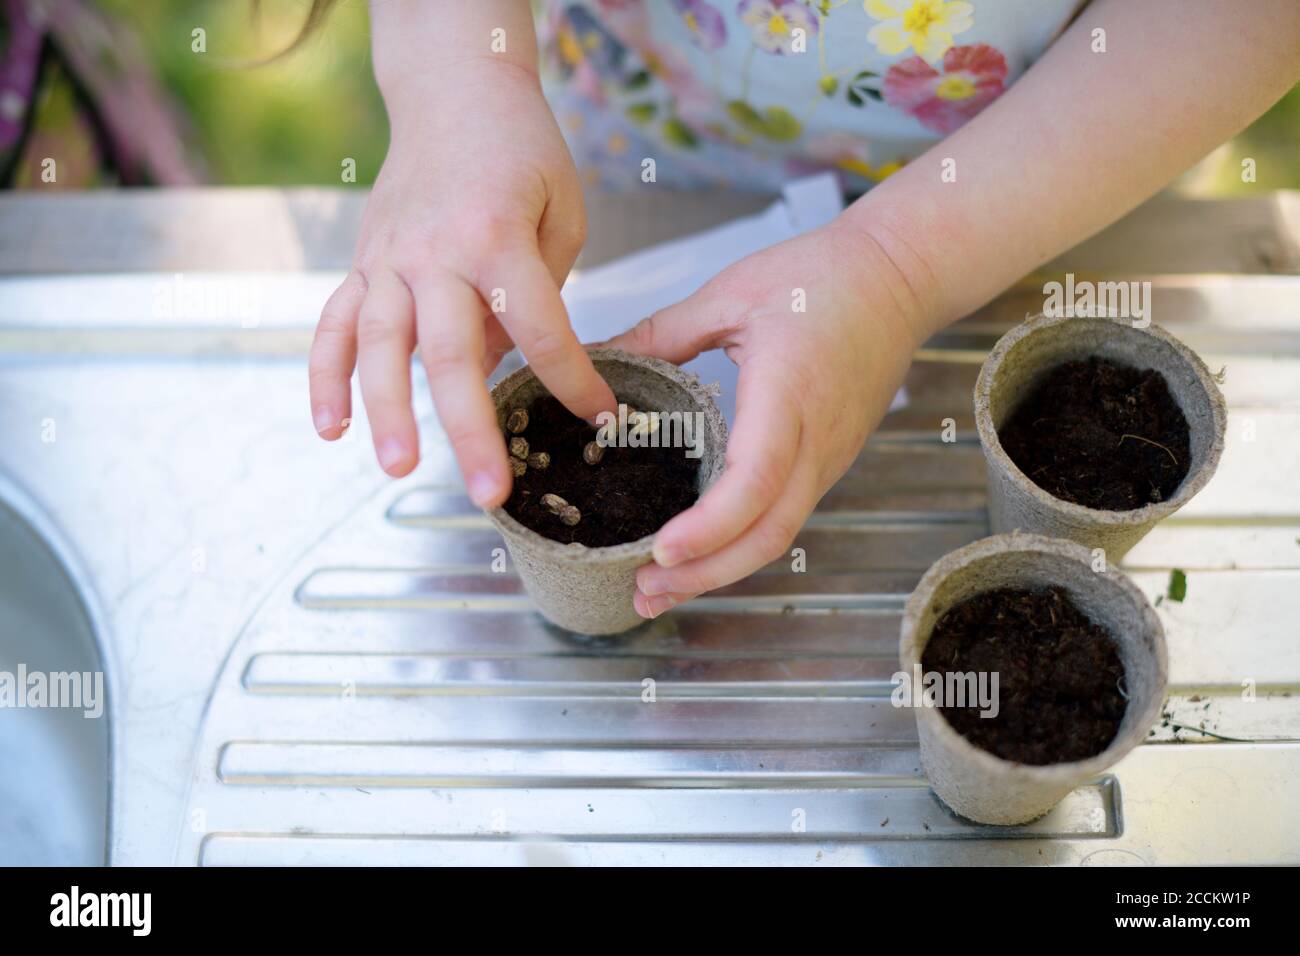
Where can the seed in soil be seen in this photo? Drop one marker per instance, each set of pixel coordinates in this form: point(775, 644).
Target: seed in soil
point(517, 467)
point(554, 503)
point(517, 421)
point(540, 460)
point(1061, 693)
point(1100, 434)
point(630, 496)
point(570, 515)
point(519, 448)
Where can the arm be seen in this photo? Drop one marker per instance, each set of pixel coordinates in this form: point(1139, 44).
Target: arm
point(1079, 140)
point(477, 196)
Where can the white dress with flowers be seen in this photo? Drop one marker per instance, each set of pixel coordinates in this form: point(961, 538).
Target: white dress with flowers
point(752, 93)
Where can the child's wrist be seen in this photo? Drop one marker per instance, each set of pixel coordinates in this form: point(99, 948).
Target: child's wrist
point(451, 76)
point(892, 260)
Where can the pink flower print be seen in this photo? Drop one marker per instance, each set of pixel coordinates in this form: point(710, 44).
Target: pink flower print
point(972, 77)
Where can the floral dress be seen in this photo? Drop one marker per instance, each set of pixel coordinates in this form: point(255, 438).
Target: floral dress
point(750, 93)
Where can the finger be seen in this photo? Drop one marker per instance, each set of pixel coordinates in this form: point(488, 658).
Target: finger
point(535, 317)
point(760, 455)
point(764, 542)
point(652, 607)
point(496, 343)
point(333, 356)
point(451, 334)
point(385, 338)
point(676, 334)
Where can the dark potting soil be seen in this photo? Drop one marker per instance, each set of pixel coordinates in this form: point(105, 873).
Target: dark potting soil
point(1059, 675)
point(629, 494)
point(1101, 434)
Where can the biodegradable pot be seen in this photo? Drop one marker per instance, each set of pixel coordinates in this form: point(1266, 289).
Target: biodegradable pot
point(1019, 362)
point(589, 590)
point(972, 781)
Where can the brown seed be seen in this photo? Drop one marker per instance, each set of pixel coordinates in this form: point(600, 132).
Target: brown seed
point(553, 503)
point(517, 421)
point(570, 515)
point(518, 468)
point(519, 447)
point(593, 452)
point(539, 460)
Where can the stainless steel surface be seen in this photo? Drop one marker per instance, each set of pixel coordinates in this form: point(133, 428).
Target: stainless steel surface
point(311, 664)
point(54, 783)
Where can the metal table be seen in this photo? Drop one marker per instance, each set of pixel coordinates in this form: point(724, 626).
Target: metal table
point(372, 692)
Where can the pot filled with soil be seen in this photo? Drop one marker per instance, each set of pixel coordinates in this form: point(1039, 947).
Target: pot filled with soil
point(1094, 430)
point(586, 503)
point(1074, 659)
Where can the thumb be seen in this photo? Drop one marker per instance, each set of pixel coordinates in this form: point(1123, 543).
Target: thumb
point(676, 334)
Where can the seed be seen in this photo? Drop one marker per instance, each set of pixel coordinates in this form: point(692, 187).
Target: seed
point(593, 452)
point(517, 421)
point(519, 447)
point(642, 422)
point(539, 460)
point(554, 503)
point(518, 468)
point(570, 516)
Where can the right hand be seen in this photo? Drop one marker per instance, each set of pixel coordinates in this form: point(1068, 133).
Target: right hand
point(477, 199)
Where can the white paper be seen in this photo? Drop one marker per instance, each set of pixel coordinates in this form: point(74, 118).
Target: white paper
point(613, 297)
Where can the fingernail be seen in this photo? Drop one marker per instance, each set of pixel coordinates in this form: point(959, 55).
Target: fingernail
point(391, 453)
point(323, 419)
point(651, 585)
point(667, 555)
point(657, 605)
point(482, 488)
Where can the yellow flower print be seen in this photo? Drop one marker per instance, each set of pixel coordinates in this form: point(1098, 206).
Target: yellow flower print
point(927, 26)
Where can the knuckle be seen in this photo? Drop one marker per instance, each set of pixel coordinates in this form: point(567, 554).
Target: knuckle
point(645, 332)
point(774, 538)
point(484, 233)
point(545, 346)
point(333, 332)
point(466, 439)
point(373, 328)
point(321, 374)
point(440, 355)
point(763, 484)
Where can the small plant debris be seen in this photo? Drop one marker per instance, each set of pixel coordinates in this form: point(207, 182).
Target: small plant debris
point(1177, 585)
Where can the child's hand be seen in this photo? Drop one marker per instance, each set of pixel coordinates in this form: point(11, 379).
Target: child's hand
point(477, 207)
point(812, 387)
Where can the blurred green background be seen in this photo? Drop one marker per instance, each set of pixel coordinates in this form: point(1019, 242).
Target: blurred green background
point(290, 122)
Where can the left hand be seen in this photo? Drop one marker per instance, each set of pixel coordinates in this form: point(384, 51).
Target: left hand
point(812, 386)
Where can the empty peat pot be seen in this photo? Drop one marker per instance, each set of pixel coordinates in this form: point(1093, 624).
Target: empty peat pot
point(1023, 358)
point(975, 783)
point(589, 590)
